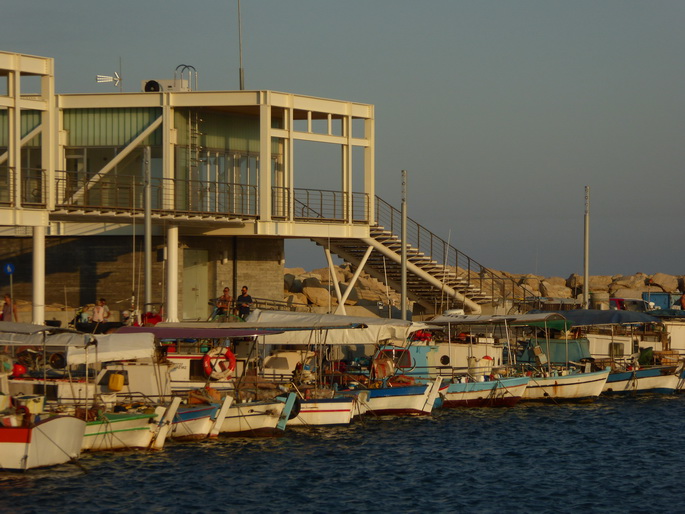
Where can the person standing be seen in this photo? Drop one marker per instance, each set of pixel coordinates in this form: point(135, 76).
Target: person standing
point(243, 303)
point(100, 311)
point(9, 310)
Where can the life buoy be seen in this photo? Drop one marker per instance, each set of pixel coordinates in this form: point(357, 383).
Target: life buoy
point(226, 366)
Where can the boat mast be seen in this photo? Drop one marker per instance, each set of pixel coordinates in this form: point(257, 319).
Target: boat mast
point(403, 301)
point(586, 267)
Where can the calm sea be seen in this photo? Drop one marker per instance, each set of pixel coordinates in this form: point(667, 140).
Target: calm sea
point(614, 455)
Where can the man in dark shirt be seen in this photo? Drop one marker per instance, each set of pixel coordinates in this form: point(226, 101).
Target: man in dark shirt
point(243, 302)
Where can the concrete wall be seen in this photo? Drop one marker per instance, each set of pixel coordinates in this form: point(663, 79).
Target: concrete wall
point(79, 270)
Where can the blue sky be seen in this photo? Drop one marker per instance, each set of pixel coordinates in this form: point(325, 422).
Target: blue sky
point(501, 112)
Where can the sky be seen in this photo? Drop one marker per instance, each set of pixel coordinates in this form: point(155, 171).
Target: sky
point(501, 112)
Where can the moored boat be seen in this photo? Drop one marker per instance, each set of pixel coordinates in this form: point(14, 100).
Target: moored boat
point(500, 392)
point(409, 400)
point(566, 386)
point(653, 379)
point(29, 440)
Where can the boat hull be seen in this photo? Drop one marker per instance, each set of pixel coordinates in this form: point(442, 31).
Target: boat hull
point(505, 392)
point(329, 411)
point(257, 419)
point(573, 387)
point(415, 400)
point(122, 431)
point(663, 380)
point(55, 440)
point(193, 423)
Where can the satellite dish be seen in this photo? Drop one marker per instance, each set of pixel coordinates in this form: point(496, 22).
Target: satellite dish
point(152, 86)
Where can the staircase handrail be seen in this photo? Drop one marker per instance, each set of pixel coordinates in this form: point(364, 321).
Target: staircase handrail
point(445, 254)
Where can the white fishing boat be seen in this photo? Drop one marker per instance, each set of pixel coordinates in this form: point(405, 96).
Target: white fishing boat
point(324, 411)
point(566, 385)
point(130, 430)
point(412, 400)
point(256, 419)
point(642, 380)
point(499, 392)
point(74, 384)
point(636, 347)
point(30, 441)
point(197, 422)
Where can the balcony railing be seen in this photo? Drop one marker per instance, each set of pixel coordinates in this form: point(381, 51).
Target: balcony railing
point(32, 185)
point(324, 205)
point(126, 194)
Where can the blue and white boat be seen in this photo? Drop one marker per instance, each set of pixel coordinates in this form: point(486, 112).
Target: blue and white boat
point(652, 379)
point(499, 392)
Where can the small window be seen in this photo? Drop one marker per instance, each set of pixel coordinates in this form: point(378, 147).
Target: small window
point(402, 358)
point(615, 350)
point(196, 371)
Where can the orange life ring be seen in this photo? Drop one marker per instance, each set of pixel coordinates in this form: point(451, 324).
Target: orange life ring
point(227, 366)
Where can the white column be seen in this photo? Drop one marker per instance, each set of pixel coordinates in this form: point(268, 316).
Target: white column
point(39, 275)
point(264, 207)
point(172, 274)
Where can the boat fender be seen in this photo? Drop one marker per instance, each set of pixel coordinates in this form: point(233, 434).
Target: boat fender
point(226, 367)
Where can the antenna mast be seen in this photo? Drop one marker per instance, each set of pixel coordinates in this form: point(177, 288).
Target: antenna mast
point(240, 47)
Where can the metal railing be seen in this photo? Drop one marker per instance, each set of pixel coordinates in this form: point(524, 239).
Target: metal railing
point(32, 185)
point(126, 194)
point(319, 205)
point(466, 269)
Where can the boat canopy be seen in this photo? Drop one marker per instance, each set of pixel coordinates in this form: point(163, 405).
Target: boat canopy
point(185, 331)
point(558, 351)
point(80, 347)
point(340, 330)
point(586, 317)
point(517, 319)
point(113, 347)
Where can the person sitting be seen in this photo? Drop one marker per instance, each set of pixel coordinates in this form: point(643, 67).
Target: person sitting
point(222, 305)
point(224, 302)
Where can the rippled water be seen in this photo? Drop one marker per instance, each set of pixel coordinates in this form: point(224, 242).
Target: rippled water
point(614, 455)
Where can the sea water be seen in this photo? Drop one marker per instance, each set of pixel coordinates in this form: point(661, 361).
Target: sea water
point(613, 455)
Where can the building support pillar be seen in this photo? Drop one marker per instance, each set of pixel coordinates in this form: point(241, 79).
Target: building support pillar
point(172, 274)
point(38, 315)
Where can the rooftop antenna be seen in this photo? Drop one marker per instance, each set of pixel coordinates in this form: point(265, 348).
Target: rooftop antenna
point(116, 78)
point(240, 47)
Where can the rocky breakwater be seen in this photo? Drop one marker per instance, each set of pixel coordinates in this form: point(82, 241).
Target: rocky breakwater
point(315, 291)
point(620, 286)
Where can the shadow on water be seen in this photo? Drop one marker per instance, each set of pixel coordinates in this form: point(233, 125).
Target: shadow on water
point(613, 455)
